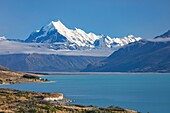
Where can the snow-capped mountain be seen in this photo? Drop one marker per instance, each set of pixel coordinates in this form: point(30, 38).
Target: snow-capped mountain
point(56, 33)
point(61, 37)
point(115, 42)
point(141, 56)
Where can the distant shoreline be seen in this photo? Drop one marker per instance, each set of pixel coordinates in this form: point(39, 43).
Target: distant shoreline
point(93, 73)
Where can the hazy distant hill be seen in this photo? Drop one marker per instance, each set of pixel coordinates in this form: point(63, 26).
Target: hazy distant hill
point(42, 62)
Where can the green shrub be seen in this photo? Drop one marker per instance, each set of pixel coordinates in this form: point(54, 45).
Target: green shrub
point(28, 76)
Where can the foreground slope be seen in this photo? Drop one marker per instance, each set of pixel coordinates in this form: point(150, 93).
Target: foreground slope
point(142, 56)
point(15, 101)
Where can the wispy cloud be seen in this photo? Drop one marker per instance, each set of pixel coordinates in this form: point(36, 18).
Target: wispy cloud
point(159, 40)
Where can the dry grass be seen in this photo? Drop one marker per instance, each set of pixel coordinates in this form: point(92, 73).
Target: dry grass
point(32, 102)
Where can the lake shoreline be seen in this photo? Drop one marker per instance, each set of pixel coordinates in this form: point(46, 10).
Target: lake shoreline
point(18, 101)
point(131, 91)
point(12, 77)
point(93, 73)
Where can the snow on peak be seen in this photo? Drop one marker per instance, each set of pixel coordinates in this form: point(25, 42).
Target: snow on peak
point(57, 32)
point(59, 26)
point(2, 38)
point(132, 38)
point(37, 30)
point(77, 36)
point(126, 40)
point(54, 25)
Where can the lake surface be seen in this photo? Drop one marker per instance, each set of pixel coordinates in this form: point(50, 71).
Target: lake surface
point(141, 92)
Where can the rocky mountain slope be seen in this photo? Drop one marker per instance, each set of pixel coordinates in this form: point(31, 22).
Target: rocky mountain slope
point(141, 56)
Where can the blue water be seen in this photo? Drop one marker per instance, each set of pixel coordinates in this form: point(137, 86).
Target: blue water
point(141, 92)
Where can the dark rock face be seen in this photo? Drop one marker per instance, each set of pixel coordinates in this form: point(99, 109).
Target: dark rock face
point(51, 37)
point(33, 36)
point(42, 62)
point(142, 56)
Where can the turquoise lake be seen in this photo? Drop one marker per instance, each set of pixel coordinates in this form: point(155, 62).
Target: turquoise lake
point(141, 92)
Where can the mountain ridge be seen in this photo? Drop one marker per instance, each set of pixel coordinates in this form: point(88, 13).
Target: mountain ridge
point(165, 35)
point(142, 56)
point(59, 35)
point(46, 62)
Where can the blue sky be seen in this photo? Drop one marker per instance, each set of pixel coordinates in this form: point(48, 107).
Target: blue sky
point(116, 18)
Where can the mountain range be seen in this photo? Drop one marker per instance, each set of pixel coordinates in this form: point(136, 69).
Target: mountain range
point(56, 38)
point(47, 62)
point(61, 37)
point(56, 48)
point(142, 56)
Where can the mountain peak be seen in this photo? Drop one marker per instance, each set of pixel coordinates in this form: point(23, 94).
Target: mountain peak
point(130, 36)
point(58, 25)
